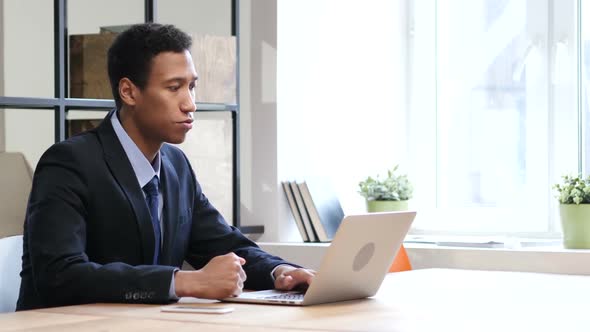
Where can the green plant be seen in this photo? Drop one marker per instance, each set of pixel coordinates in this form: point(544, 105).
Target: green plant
point(393, 188)
point(573, 190)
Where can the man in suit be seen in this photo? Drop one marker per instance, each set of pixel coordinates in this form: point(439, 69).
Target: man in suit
point(115, 211)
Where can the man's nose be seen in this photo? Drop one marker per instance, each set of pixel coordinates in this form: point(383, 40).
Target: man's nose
point(188, 104)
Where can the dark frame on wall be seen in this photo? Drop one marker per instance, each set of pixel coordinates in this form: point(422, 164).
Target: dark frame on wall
point(61, 104)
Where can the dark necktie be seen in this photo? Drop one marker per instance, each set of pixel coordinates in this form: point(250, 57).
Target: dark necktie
point(151, 198)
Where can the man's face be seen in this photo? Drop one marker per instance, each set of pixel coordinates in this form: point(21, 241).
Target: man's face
point(164, 108)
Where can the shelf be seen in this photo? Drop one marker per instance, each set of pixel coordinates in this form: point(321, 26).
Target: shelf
point(92, 104)
point(251, 229)
point(48, 103)
point(23, 102)
point(214, 107)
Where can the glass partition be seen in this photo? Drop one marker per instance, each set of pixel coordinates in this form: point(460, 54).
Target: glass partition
point(80, 121)
point(208, 147)
point(214, 47)
point(92, 27)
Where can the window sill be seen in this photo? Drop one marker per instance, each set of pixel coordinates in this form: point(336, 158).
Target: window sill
point(543, 259)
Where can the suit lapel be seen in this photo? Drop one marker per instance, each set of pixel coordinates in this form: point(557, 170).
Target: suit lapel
point(170, 211)
point(122, 171)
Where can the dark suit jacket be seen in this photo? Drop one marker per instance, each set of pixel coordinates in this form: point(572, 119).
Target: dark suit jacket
point(88, 235)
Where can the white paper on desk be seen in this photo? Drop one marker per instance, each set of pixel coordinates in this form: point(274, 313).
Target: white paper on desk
point(184, 300)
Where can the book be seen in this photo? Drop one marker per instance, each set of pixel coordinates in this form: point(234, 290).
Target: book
point(323, 206)
point(295, 211)
point(311, 233)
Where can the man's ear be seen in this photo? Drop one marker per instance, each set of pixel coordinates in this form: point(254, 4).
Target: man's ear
point(128, 92)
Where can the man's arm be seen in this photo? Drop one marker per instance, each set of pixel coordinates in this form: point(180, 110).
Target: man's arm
point(211, 236)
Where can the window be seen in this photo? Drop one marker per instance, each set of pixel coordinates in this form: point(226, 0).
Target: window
point(484, 103)
point(585, 78)
point(493, 113)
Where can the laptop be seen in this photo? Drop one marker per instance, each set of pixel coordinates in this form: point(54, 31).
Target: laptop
point(354, 265)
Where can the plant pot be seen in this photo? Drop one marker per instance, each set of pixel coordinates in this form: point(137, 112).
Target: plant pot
point(383, 206)
point(575, 222)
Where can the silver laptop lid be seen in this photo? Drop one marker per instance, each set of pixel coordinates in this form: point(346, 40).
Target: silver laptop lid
point(359, 257)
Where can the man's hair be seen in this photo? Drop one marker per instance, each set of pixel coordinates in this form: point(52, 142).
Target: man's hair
point(132, 52)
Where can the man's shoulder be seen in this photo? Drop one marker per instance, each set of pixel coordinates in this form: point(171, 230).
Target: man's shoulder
point(82, 145)
point(84, 140)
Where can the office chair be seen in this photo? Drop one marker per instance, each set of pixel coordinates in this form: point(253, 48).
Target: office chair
point(11, 250)
point(15, 185)
point(401, 261)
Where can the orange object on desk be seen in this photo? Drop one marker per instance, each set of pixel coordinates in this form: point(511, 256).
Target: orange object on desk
point(401, 261)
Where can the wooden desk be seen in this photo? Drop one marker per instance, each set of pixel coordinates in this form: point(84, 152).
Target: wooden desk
point(420, 300)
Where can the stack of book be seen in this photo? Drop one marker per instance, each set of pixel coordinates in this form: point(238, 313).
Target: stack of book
point(316, 209)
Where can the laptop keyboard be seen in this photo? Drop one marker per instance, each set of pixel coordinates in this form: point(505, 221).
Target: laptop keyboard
point(288, 296)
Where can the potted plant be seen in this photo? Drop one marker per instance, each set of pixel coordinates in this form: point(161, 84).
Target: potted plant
point(390, 194)
point(574, 210)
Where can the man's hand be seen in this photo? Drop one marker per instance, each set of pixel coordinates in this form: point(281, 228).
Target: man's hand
point(222, 277)
point(288, 277)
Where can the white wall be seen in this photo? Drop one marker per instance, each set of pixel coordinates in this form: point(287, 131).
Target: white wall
point(258, 116)
point(28, 71)
point(202, 16)
point(87, 16)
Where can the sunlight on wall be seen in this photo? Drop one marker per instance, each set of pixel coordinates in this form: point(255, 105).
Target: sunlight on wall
point(341, 91)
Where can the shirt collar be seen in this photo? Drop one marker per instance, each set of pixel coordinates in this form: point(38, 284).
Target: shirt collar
point(144, 171)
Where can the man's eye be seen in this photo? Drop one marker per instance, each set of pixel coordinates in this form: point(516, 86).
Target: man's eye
point(192, 86)
point(173, 88)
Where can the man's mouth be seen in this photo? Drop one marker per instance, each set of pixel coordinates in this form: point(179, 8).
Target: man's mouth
point(187, 124)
